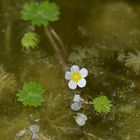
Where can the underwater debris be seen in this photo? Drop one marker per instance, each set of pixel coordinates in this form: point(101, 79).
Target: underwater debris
point(76, 77)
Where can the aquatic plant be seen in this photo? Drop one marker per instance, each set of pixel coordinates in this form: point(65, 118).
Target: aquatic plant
point(30, 40)
point(40, 13)
point(76, 77)
point(7, 83)
point(31, 94)
point(126, 108)
point(57, 114)
point(133, 62)
point(93, 58)
point(102, 104)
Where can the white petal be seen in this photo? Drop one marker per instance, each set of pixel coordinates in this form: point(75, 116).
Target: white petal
point(35, 136)
point(80, 122)
point(74, 68)
point(82, 116)
point(68, 75)
point(84, 72)
point(72, 85)
point(82, 83)
point(80, 119)
point(77, 98)
point(76, 106)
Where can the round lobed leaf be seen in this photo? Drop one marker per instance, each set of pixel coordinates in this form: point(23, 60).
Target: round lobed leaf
point(31, 94)
point(30, 40)
point(40, 13)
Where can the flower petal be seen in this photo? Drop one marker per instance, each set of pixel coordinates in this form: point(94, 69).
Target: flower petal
point(34, 128)
point(72, 85)
point(82, 83)
point(68, 75)
point(82, 116)
point(81, 119)
point(77, 98)
point(74, 68)
point(76, 106)
point(84, 72)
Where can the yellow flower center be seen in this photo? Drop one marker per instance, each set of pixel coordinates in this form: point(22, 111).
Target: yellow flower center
point(76, 76)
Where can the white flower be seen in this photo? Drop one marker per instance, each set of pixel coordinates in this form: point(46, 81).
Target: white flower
point(78, 101)
point(76, 77)
point(81, 119)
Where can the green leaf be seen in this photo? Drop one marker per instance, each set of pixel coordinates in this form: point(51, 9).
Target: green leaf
point(102, 104)
point(133, 62)
point(31, 94)
point(40, 13)
point(30, 40)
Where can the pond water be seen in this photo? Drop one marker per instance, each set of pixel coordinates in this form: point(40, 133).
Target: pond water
point(102, 36)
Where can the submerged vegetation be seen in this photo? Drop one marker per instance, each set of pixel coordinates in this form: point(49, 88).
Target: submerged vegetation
point(133, 62)
point(101, 100)
point(102, 104)
point(40, 13)
point(8, 84)
point(31, 94)
point(30, 40)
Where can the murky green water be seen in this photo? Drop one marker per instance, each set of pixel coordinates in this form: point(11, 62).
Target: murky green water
point(98, 35)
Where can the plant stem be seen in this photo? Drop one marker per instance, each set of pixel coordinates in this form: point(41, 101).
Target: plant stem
point(59, 55)
point(56, 36)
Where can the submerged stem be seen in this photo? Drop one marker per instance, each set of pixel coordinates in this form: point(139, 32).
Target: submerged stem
point(56, 36)
point(59, 55)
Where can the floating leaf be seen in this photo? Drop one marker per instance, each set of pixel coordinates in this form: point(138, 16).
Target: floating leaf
point(133, 62)
point(30, 40)
point(31, 94)
point(102, 104)
point(40, 13)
